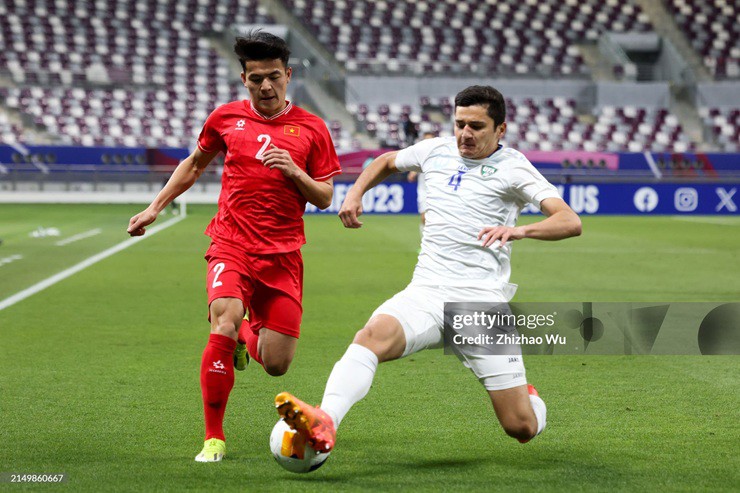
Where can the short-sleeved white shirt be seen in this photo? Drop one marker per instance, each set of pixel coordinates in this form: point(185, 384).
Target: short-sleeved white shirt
point(463, 196)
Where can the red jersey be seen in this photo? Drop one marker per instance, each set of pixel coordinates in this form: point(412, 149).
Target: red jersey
point(260, 210)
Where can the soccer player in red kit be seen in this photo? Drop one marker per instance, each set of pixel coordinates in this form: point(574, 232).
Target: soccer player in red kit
point(278, 157)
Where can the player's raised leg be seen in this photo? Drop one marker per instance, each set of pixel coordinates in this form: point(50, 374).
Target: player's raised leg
point(276, 351)
point(217, 373)
point(518, 407)
point(271, 338)
point(271, 349)
point(382, 339)
point(520, 410)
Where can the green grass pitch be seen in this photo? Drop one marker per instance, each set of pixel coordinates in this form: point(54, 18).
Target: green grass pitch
point(99, 373)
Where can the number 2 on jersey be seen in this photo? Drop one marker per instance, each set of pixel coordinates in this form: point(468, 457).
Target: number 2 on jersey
point(267, 139)
point(218, 269)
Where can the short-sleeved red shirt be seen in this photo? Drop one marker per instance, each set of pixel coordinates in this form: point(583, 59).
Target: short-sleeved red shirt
point(259, 210)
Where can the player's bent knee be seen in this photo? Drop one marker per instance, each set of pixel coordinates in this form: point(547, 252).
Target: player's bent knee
point(226, 328)
point(226, 316)
point(384, 336)
point(276, 350)
point(225, 324)
point(276, 369)
point(366, 336)
point(521, 429)
point(276, 366)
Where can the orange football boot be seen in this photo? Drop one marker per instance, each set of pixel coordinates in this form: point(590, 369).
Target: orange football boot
point(311, 422)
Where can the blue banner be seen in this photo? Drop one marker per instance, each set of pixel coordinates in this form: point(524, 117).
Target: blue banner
point(650, 198)
point(385, 198)
point(74, 155)
point(602, 198)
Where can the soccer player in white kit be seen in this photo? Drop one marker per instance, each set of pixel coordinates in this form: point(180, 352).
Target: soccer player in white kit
point(476, 190)
point(421, 190)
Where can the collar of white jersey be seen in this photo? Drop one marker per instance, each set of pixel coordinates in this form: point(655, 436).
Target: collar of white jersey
point(285, 111)
point(493, 154)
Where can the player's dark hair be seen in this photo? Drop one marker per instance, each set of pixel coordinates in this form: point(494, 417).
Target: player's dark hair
point(259, 45)
point(484, 96)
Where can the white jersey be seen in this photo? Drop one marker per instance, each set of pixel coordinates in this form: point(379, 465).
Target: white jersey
point(421, 194)
point(463, 196)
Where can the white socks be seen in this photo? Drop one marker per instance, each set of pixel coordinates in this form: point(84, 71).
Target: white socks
point(349, 381)
point(540, 412)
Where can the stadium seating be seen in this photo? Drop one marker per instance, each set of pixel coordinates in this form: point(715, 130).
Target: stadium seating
point(536, 124)
point(634, 129)
point(166, 74)
point(342, 137)
point(388, 122)
point(118, 117)
point(123, 41)
point(713, 29)
point(528, 38)
point(128, 73)
point(10, 133)
point(723, 126)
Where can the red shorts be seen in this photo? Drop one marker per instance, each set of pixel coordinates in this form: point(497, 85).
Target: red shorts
point(270, 286)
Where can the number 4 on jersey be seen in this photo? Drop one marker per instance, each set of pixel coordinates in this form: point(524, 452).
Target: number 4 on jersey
point(456, 180)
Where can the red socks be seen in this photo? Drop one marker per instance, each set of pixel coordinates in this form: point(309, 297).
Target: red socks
point(250, 339)
point(216, 382)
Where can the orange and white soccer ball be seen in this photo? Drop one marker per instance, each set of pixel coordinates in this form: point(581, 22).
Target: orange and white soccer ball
point(291, 452)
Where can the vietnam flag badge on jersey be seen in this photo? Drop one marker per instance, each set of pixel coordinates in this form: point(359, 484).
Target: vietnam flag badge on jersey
point(292, 130)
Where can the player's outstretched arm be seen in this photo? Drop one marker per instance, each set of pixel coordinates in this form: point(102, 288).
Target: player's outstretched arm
point(561, 222)
point(381, 168)
point(186, 173)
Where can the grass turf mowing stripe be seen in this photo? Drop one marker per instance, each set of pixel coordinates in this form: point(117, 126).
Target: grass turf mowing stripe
point(720, 220)
point(50, 281)
point(81, 236)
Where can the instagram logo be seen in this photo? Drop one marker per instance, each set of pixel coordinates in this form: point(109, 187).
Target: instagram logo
point(686, 199)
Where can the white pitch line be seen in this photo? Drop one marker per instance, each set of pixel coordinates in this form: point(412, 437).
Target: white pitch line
point(81, 236)
point(12, 258)
point(50, 281)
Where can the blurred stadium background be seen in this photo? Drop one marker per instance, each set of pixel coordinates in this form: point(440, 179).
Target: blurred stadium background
point(107, 96)
point(631, 107)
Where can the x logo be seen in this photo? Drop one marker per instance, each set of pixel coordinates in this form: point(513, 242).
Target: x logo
point(725, 200)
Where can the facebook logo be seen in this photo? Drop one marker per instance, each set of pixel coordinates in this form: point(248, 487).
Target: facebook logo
point(645, 199)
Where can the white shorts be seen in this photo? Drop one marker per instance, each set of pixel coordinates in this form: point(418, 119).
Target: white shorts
point(421, 193)
point(420, 311)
